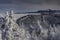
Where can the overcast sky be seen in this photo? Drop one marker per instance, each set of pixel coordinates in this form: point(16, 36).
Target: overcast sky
point(28, 5)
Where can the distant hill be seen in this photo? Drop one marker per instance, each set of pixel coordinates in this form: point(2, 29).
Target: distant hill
point(41, 11)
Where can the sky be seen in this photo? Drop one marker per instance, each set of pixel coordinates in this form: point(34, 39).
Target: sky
point(28, 5)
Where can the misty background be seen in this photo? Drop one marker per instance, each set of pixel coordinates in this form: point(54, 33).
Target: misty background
point(28, 5)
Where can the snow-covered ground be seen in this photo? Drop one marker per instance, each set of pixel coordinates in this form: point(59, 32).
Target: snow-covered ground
point(29, 27)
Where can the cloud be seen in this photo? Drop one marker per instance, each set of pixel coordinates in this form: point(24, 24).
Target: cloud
point(5, 1)
point(29, 1)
